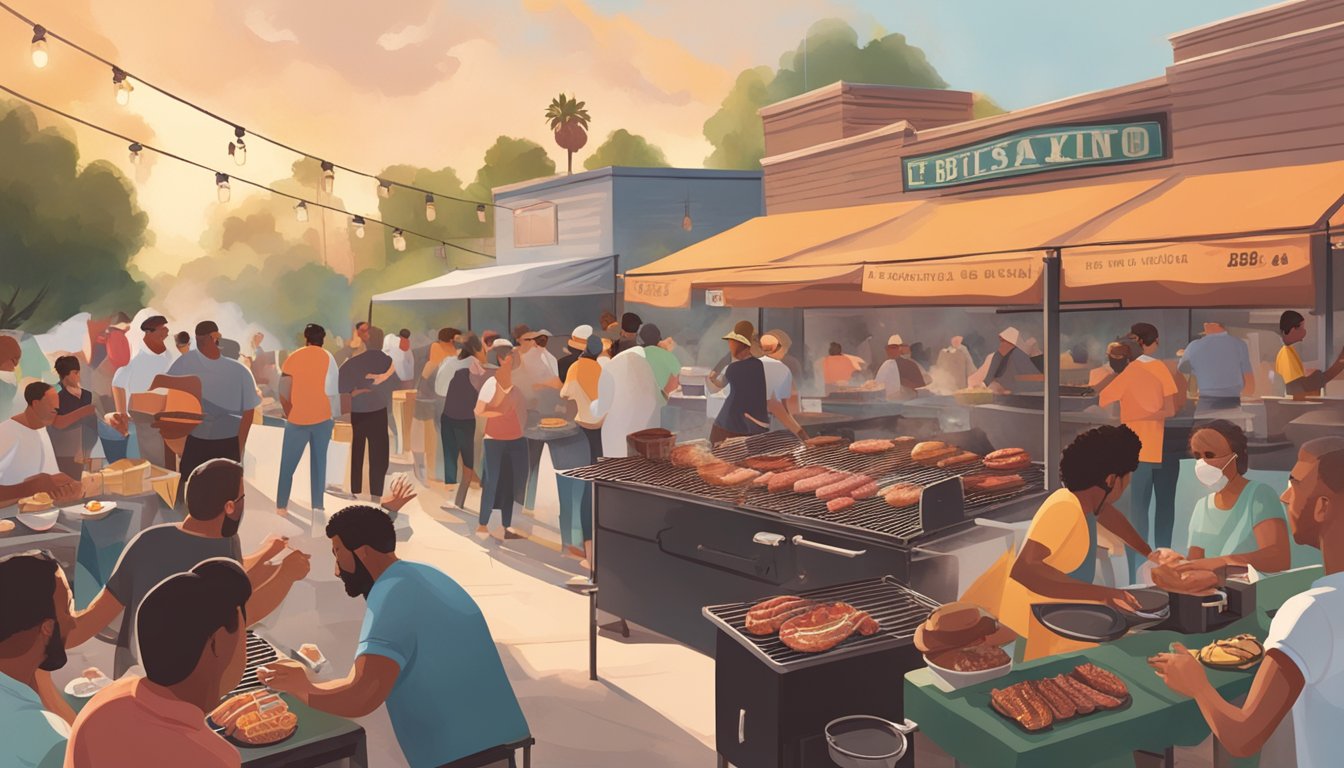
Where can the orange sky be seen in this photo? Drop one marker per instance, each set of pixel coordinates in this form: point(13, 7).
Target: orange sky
point(371, 84)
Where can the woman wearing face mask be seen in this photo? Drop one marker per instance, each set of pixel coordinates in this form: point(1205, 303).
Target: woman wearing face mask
point(1241, 521)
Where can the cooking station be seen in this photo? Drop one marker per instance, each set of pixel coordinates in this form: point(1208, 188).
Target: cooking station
point(667, 544)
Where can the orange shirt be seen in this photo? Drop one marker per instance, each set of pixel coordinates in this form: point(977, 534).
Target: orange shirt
point(307, 369)
point(838, 369)
point(1142, 389)
point(134, 723)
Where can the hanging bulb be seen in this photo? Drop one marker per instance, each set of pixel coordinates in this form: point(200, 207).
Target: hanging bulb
point(358, 221)
point(328, 177)
point(222, 187)
point(136, 149)
point(237, 149)
point(121, 87)
point(480, 213)
point(384, 189)
point(398, 240)
point(430, 212)
point(686, 223)
point(39, 46)
point(301, 211)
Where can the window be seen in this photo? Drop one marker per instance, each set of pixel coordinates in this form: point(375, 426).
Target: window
point(534, 225)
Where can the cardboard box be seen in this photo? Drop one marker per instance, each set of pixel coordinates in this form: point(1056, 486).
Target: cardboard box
point(166, 483)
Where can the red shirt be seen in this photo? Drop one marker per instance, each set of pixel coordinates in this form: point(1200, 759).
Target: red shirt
point(134, 723)
point(118, 348)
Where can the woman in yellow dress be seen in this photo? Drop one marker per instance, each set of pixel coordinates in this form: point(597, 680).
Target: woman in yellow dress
point(1057, 560)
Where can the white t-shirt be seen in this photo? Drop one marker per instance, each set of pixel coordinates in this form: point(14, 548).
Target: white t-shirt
point(137, 375)
point(1309, 629)
point(24, 453)
point(778, 379)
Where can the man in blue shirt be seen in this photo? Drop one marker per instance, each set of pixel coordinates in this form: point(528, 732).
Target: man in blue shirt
point(34, 616)
point(424, 649)
point(1221, 364)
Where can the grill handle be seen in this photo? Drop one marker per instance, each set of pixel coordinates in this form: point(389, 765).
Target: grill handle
point(741, 726)
point(800, 541)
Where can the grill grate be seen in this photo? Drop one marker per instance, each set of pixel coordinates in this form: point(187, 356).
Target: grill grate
point(871, 515)
point(259, 652)
point(899, 611)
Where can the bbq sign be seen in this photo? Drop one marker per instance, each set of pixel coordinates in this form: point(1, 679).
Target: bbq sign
point(1036, 151)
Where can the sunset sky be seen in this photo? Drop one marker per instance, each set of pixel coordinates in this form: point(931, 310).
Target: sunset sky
point(432, 83)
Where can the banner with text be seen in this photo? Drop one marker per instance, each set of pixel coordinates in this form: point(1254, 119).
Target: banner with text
point(1221, 262)
point(989, 277)
point(668, 291)
point(1035, 151)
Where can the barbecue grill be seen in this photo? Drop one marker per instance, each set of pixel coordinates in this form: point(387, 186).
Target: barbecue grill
point(667, 544)
point(259, 653)
point(772, 703)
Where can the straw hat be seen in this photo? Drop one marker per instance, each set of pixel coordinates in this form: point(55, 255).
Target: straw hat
point(743, 333)
point(579, 339)
point(1012, 336)
point(895, 340)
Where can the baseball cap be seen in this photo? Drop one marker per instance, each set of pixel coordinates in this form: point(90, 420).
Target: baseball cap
point(152, 322)
point(501, 342)
point(895, 340)
point(579, 338)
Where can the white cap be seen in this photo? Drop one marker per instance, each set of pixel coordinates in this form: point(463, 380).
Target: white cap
point(582, 332)
point(497, 343)
point(895, 340)
point(1012, 336)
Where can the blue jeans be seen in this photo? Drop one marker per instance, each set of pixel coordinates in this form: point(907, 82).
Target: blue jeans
point(459, 441)
point(576, 500)
point(297, 437)
point(503, 477)
point(1153, 480)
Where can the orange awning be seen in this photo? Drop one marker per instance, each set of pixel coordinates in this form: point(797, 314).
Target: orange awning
point(1239, 238)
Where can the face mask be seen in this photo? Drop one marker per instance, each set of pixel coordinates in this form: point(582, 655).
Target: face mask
point(1210, 476)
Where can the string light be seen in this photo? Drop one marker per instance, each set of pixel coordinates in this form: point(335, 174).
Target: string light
point(222, 187)
point(39, 46)
point(121, 87)
point(430, 212)
point(358, 221)
point(398, 240)
point(480, 213)
point(686, 222)
point(136, 149)
point(384, 189)
point(328, 177)
point(301, 211)
point(237, 149)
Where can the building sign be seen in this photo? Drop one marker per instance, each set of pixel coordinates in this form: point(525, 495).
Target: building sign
point(1247, 261)
point(657, 292)
point(714, 298)
point(1035, 151)
point(975, 277)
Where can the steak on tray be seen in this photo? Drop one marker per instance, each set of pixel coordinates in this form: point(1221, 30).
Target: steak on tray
point(825, 627)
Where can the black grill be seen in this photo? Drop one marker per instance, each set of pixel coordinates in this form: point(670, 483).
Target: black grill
point(897, 609)
point(871, 515)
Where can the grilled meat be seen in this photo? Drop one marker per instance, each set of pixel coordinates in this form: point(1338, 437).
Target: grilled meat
point(1081, 696)
point(1008, 459)
point(783, 481)
point(692, 455)
point(902, 494)
point(932, 451)
point(871, 446)
point(991, 483)
point(764, 480)
point(766, 617)
point(842, 487)
point(1061, 706)
point(822, 441)
point(769, 463)
point(839, 504)
point(1102, 680)
point(865, 491)
point(1023, 705)
point(817, 482)
point(957, 460)
point(825, 627)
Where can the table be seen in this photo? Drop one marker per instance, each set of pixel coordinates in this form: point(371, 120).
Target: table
point(321, 739)
point(964, 726)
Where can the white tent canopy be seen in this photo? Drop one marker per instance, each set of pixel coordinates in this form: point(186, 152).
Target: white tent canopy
point(565, 277)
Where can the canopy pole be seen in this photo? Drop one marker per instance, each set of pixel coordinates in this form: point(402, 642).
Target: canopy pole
point(508, 329)
point(615, 286)
point(1329, 308)
point(469, 316)
point(1051, 318)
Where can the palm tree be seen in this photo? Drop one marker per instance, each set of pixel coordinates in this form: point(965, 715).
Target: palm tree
point(570, 121)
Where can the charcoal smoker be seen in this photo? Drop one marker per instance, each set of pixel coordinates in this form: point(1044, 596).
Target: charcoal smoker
point(772, 704)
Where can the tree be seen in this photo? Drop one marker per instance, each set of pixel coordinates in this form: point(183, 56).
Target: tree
point(509, 161)
point(570, 121)
point(628, 149)
point(67, 233)
point(830, 52)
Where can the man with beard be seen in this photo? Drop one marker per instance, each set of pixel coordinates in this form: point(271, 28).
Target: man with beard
point(214, 494)
point(34, 615)
point(424, 649)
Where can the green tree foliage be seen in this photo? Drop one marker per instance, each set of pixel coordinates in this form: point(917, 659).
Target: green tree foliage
point(831, 52)
point(509, 161)
point(67, 233)
point(623, 148)
point(983, 106)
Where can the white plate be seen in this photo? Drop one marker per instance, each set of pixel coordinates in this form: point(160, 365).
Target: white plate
point(39, 521)
point(83, 687)
point(80, 511)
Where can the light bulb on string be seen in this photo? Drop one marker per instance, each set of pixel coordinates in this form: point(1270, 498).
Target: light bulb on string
point(398, 240)
point(686, 222)
point(301, 211)
point(328, 177)
point(237, 149)
point(430, 212)
point(121, 87)
point(358, 221)
point(480, 213)
point(39, 46)
point(222, 187)
point(135, 149)
point(384, 189)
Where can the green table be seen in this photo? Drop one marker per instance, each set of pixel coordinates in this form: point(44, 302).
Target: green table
point(963, 724)
point(320, 740)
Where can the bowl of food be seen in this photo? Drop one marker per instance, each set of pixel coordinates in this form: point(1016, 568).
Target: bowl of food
point(968, 666)
point(91, 681)
point(254, 719)
point(963, 645)
point(93, 509)
point(863, 741)
point(40, 521)
point(38, 502)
